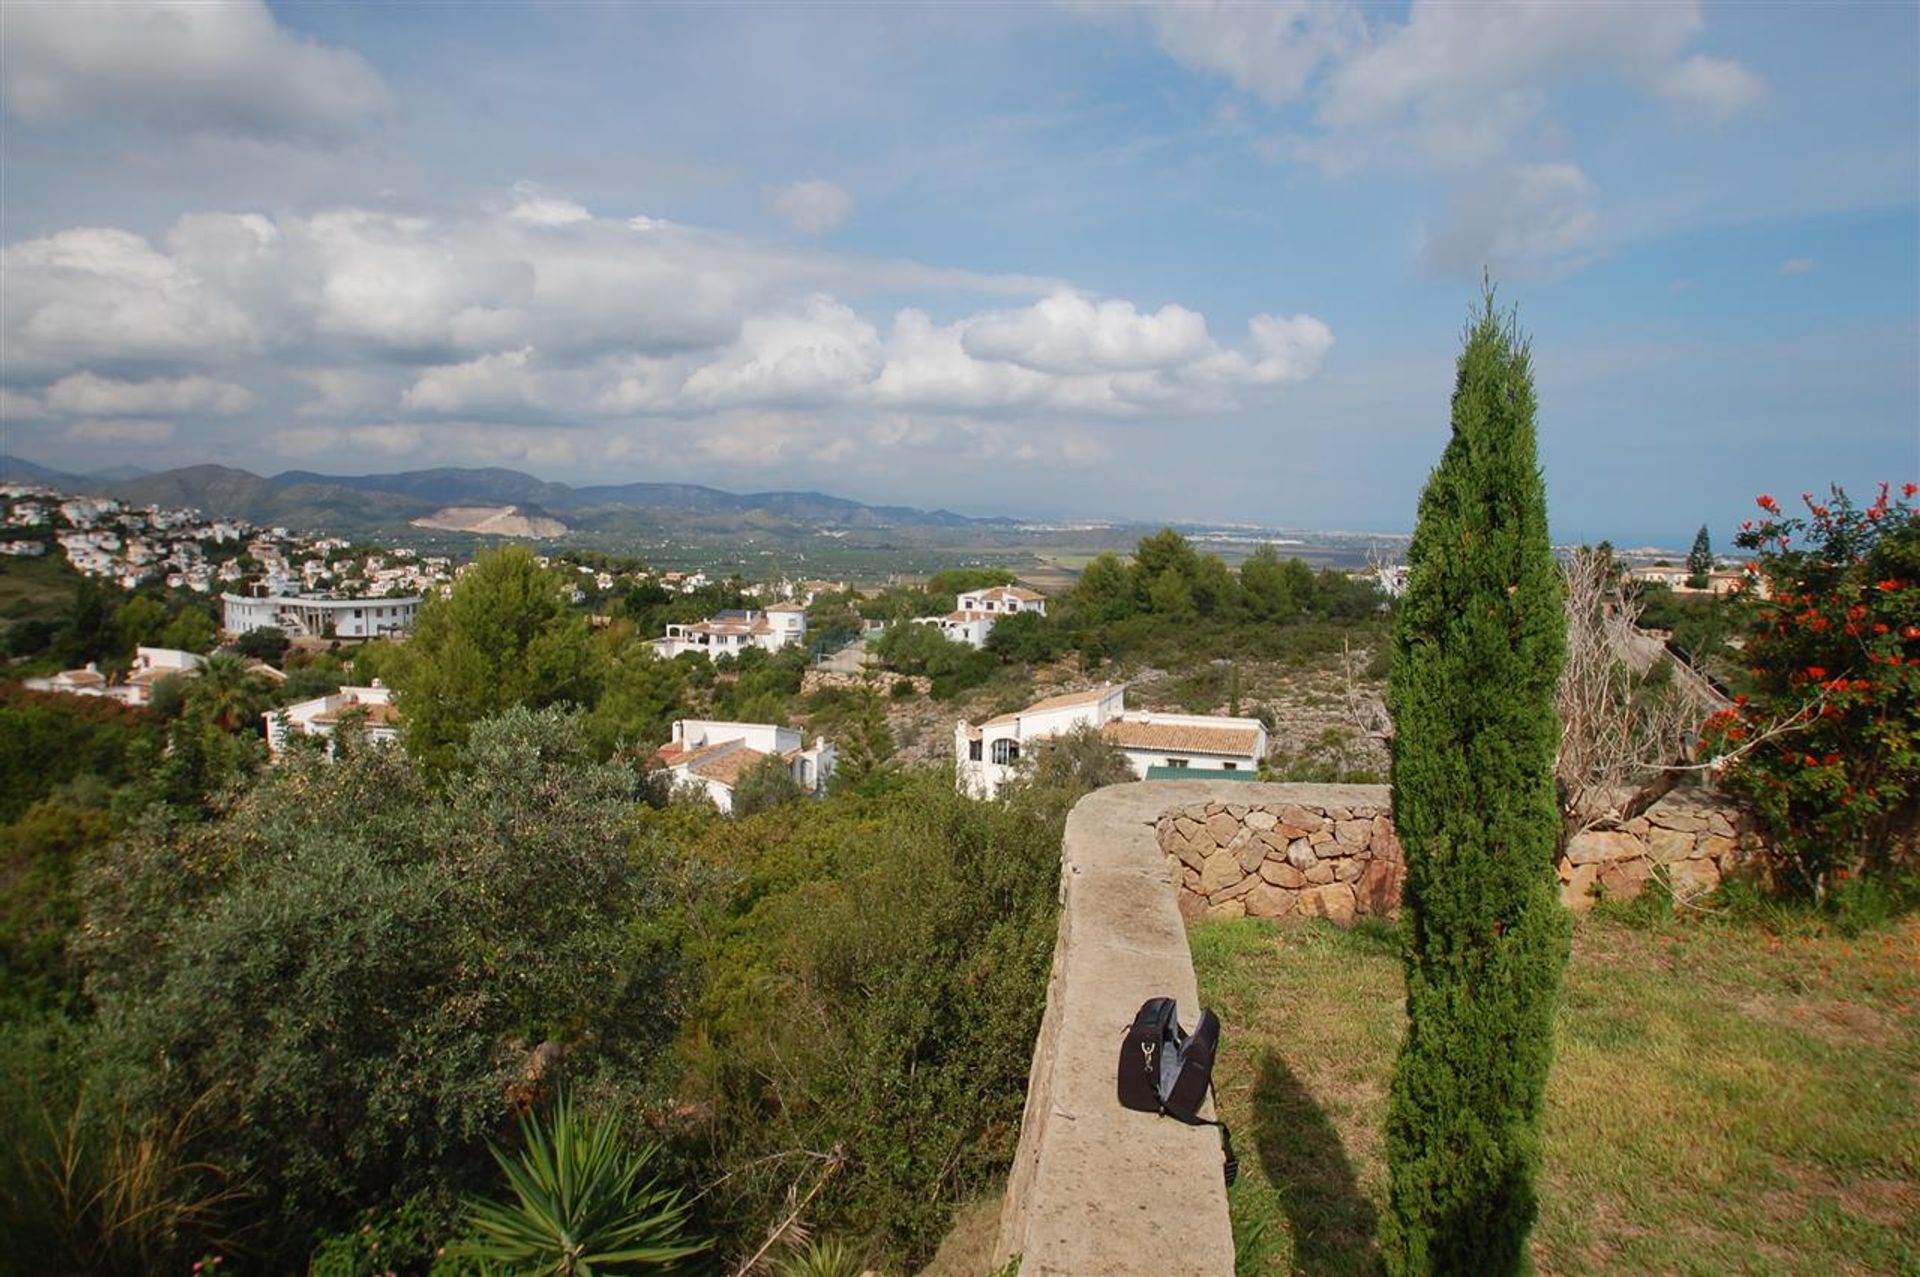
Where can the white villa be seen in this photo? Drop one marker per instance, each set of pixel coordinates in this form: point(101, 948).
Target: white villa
point(975, 612)
point(731, 632)
point(714, 755)
point(373, 706)
point(318, 615)
point(150, 665)
point(1158, 745)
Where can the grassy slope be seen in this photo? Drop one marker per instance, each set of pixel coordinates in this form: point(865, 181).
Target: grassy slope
point(42, 587)
point(1721, 1101)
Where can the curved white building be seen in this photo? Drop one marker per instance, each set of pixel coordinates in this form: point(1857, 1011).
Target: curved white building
point(318, 615)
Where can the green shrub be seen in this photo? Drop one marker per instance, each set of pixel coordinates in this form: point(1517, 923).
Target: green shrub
point(356, 966)
point(874, 973)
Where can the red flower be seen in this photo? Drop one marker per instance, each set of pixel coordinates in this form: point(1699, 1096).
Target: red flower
point(1889, 585)
point(1912, 631)
point(1909, 489)
point(1816, 672)
point(1771, 506)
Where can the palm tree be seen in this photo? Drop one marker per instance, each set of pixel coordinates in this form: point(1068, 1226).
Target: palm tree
point(229, 692)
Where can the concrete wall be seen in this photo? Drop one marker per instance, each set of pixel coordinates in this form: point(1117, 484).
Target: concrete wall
point(1097, 1190)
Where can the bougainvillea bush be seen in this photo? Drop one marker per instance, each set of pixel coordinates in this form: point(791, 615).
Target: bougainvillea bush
point(1825, 748)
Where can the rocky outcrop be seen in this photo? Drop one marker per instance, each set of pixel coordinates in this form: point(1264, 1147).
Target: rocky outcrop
point(818, 680)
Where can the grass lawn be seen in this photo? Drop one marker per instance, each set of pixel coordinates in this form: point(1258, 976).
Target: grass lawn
point(1722, 1100)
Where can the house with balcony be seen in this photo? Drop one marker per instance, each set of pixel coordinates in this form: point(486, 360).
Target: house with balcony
point(318, 615)
point(1159, 746)
point(714, 755)
point(731, 632)
point(976, 611)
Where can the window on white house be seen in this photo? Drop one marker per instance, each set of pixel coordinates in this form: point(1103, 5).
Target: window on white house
point(973, 751)
point(1005, 751)
point(1176, 762)
point(1229, 767)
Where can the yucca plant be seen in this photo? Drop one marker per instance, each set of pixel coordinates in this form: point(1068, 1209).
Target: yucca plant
point(820, 1258)
point(584, 1203)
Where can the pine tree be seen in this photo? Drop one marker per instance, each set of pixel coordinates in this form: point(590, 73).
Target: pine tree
point(1699, 559)
point(1479, 645)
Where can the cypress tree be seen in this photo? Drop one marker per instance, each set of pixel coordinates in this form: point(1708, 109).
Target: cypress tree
point(1699, 559)
point(1479, 644)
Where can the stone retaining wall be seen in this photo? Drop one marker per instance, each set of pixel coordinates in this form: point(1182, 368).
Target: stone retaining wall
point(1329, 851)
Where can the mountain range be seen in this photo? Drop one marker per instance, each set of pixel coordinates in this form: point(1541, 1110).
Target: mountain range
point(305, 500)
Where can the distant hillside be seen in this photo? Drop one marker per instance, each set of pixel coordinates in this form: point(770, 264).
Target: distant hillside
point(347, 503)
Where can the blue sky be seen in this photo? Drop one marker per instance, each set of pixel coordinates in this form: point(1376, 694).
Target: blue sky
point(1181, 261)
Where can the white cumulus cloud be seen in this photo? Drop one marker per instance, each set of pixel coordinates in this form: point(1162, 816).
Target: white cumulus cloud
point(224, 67)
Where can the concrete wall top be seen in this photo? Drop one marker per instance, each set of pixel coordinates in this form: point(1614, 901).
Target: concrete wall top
point(1096, 1190)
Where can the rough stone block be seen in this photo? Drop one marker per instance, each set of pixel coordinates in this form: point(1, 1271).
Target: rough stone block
point(1693, 877)
point(1228, 909)
point(1378, 891)
point(1251, 854)
point(1625, 879)
point(1192, 854)
point(1321, 872)
point(1290, 832)
point(1222, 827)
point(1339, 813)
point(1598, 846)
point(1237, 810)
point(1301, 855)
point(1717, 847)
point(1300, 818)
point(1221, 870)
point(1260, 820)
point(1282, 874)
point(1353, 833)
point(1334, 902)
point(1320, 837)
point(1233, 892)
point(1269, 901)
point(1686, 820)
point(1349, 869)
point(1669, 845)
point(1190, 879)
point(1192, 907)
point(1576, 886)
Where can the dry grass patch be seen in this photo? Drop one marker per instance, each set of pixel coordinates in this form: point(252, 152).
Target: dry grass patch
point(1722, 1101)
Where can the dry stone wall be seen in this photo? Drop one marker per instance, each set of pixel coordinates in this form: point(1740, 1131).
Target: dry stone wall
point(1329, 851)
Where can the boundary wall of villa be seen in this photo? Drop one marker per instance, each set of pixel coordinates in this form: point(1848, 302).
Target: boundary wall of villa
point(1329, 851)
point(1100, 1191)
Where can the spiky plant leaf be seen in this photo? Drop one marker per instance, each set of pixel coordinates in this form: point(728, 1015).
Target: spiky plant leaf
point(583, 1203)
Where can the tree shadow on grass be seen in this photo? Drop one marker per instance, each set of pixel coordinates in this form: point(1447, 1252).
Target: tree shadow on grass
point(1330, 1219)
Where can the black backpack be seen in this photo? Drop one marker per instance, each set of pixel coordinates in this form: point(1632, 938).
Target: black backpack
point(1165, 1070)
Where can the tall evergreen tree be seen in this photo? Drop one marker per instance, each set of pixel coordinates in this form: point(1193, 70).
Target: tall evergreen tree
point(1478, 649)
point(1700, 559)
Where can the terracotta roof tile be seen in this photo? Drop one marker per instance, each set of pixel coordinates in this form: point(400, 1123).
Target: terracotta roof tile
point(1181, 737)
point(730, 766)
